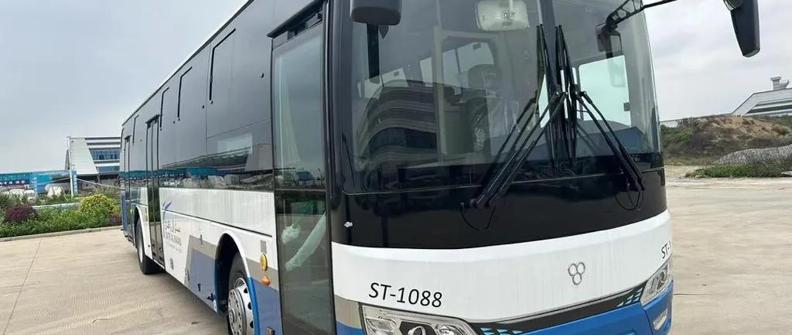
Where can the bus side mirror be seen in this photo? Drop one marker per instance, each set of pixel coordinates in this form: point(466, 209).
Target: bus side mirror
point(745, 17)
point(376, 12)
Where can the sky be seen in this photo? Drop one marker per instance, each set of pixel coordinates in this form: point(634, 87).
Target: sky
point(80, 67)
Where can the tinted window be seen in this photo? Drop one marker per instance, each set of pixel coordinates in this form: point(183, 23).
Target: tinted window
point(190, 141)
point(297, 106)
point(222, 64)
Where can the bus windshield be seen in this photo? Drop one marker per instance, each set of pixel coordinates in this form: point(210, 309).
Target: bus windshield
point(429, 102)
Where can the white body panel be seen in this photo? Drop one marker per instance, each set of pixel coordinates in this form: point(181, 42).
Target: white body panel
point(176, 232)
point(207, 215)
point(145, 231)
point(508, 281)
point(254, 211)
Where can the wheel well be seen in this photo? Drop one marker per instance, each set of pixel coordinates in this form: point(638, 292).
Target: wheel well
point(135, 223)
point(226, 250)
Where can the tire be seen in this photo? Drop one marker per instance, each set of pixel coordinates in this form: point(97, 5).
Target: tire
point(239, 315)
point(147, 266)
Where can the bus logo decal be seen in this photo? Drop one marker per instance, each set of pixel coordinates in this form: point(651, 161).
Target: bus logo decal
point(576, 271)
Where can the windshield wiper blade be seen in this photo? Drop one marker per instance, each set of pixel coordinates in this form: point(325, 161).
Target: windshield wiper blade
point(503, 177)
point(623, 156)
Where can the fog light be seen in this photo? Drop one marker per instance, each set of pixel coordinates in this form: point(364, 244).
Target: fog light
point(419, 330)
point(449, 330)
point(660, 320)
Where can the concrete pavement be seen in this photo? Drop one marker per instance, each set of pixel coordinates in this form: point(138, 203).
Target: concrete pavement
point(732, 263)
point(90, 284)
point(732, 256)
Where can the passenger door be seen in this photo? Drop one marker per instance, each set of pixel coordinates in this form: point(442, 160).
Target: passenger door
point(152, 188)
point(126, 208)
point(299, 149)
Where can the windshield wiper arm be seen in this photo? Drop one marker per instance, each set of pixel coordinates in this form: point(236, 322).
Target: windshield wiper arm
point(503, 176)
point(623, 156)
point(628, 165)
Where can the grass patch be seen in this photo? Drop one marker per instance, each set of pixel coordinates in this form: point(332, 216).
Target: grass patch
point(755, 170)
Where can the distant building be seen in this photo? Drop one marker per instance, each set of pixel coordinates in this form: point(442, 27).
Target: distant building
point(777, 102)
point(93, 157)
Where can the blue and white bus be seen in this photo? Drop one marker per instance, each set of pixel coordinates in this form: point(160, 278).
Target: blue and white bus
point(415, 167)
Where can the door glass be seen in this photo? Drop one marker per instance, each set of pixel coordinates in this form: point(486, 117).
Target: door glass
point(303, 245)
point(152, 155)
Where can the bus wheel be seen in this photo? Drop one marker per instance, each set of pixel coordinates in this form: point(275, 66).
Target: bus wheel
point(147, 266)
point(240, 306)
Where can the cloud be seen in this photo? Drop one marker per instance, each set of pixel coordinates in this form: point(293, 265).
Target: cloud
point(699, 69)
point(79, 68)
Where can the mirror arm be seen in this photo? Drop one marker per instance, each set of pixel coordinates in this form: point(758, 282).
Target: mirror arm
point(624, 12)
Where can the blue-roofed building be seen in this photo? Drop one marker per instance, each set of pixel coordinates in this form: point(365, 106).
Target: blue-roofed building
point(36, 181)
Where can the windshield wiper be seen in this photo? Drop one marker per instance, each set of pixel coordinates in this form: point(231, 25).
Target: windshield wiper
point(628, 165)
point(503, 176)
point(626, 160)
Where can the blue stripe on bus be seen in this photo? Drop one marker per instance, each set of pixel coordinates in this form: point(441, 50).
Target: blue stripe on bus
point(202, 272)
point(266, 307)
point(256, 319)
point(630, 320)
point(660, 304)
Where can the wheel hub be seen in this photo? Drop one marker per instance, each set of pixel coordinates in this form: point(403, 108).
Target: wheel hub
point(240, 309)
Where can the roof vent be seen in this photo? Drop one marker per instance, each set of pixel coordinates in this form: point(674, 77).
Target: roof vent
point(779, 84)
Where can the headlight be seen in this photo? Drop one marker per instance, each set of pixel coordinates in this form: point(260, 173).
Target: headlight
point(657, 283)
point(379, 321)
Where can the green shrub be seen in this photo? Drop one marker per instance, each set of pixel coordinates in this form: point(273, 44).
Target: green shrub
point(8, 201)
point(94, 212)
point(19, 214)
point(98, 205)
point(755, 170)
point(50, 220)
point(61, 199)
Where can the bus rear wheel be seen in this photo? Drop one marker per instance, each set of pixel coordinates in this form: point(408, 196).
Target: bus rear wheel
point(147, 266)
point(240, 305)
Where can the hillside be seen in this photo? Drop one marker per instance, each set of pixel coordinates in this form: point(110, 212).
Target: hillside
point(702, 141)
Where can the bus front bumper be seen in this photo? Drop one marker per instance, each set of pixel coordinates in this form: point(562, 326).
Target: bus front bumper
point(652, 319)
point(634, 319)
